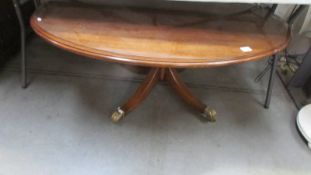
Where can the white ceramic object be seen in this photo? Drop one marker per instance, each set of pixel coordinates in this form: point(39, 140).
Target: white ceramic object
point(304, 123)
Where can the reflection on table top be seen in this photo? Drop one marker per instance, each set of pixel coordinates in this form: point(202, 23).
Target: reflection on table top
point(160, 38)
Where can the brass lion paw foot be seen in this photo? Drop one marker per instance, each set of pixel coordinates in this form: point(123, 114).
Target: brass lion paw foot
point(209, 114)
point(117, 115)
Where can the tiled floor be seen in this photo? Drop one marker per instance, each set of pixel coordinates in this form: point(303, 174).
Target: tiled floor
point(60, 124)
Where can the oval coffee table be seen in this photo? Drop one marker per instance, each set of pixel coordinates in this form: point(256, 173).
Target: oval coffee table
point(163, 40)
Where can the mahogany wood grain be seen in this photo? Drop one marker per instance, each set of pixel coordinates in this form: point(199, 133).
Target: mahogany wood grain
point(181, 89)
point(160, 38)
point(143, 91)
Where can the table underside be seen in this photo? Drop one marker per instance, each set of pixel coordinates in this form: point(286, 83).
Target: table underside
point(171, 76)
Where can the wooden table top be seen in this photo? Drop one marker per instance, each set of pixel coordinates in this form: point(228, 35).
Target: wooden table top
point(160, 38)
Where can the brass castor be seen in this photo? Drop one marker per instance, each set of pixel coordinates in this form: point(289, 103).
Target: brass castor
point(209, 114)
point(117, 115)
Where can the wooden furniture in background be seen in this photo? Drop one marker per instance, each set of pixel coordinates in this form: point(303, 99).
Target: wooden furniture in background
point(163, 40)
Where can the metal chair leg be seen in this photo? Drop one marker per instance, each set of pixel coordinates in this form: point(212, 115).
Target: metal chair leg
point(271, 81)
point(37, 3)
point(23, 43)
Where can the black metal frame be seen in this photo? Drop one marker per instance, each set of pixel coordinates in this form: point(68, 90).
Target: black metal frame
point(302, 75)
point(37, 3)
point(295, 14)
point(290, 21)
point(271, 81)
point(23, 42)
point(21, 20)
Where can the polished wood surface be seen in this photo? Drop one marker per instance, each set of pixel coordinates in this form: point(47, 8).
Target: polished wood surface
point(142, 91)
point(176, 83)
point(160, 38)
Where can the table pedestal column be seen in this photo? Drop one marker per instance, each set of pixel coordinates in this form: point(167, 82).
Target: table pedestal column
point(171, 76)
